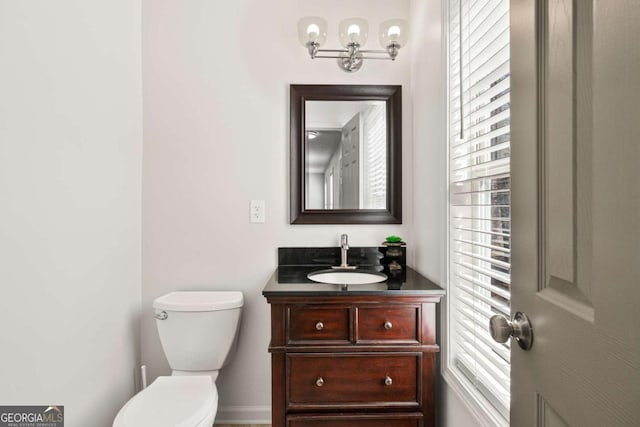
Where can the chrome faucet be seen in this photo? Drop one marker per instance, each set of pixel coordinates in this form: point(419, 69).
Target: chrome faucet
point(344, 247)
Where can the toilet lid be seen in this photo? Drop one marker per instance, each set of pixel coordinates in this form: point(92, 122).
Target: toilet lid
point(176, 401)
point(199, 301)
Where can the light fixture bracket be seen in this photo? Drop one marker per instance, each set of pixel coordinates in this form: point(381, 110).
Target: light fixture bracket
point(313, 49)
point(350, 59)
point(392, 50)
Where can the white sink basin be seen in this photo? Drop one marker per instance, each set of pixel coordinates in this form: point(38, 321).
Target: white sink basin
point(347, 277)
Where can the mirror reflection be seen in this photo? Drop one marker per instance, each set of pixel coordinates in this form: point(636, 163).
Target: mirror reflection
point(345, 154)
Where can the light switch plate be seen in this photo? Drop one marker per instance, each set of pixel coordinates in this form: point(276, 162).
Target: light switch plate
point(256, 211)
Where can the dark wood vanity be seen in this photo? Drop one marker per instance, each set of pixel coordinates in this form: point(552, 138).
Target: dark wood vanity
point(357, 355)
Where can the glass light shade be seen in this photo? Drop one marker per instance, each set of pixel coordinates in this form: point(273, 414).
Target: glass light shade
point(394, 31)
point(353, 30)
point(312, 29)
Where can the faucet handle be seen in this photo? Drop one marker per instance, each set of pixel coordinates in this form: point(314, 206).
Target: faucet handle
point(344, 241)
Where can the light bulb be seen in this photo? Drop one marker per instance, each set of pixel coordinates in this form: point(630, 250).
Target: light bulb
point(313, 31)
point(353, 30)
point(394, 32)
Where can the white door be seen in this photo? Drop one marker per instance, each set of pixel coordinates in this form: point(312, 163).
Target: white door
point(576, 211)
point(350, 164)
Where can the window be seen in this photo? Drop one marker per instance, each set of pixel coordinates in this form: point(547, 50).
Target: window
point(479, 198)
point(374, 158)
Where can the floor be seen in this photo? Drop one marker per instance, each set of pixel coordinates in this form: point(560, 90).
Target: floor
point(242, 425)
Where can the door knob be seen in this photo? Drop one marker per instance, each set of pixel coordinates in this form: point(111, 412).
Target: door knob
point(519, 328)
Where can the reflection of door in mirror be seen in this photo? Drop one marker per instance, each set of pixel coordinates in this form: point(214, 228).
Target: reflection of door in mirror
point(346, 155)
point(350, 164)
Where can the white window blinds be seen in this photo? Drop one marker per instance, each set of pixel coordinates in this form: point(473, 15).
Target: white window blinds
point(375, 157)
point(479, 225)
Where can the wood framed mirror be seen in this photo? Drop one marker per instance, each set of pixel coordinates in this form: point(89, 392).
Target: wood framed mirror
point(346, 154)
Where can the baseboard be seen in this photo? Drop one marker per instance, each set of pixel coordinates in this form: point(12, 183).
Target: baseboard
point(243, 415)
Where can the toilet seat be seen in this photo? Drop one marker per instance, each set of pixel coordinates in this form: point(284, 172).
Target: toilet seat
point(176, 401)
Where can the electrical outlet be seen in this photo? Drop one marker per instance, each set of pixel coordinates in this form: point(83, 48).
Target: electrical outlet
point(256, 212)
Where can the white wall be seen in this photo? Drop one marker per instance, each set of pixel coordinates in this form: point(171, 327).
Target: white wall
point(216, 78)
point(428, 84)
point(70, 195)
point(315, 191)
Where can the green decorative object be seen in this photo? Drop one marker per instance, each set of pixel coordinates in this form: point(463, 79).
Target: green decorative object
point(393, 241)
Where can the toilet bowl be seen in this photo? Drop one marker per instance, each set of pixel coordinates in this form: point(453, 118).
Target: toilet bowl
point(198, 332)
point(172, 401)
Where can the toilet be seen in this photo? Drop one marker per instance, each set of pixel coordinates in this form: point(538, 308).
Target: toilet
point(198, 332)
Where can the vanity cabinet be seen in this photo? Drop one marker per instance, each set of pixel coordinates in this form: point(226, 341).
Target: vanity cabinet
point(353, 360)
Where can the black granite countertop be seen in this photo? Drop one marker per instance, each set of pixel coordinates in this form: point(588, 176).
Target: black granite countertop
point(292, 280)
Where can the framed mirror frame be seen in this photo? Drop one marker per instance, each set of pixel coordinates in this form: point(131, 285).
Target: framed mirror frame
point(392, 96)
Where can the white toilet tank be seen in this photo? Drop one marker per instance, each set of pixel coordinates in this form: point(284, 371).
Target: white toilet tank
point(198, 329)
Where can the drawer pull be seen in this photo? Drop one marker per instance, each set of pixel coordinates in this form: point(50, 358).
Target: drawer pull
point(388, 380)
point(319, 326)
point(319, 381)
point(388, 325)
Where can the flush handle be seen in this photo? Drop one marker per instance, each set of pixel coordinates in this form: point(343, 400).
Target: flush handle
point(162, 315)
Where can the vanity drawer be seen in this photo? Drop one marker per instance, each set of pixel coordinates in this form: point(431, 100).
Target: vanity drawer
point(394, 323)
point(353, 380)
point(327, 324)
point(356, 420)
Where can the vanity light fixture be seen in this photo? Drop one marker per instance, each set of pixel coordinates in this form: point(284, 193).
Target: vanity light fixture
point(353, 33)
